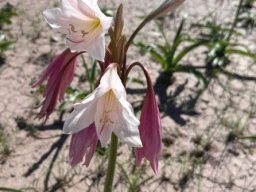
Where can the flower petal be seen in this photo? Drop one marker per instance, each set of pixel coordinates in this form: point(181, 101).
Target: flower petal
point(93, 5)
point(89, 7)
point(111, 80)
point(106, 23)
point(66, 78)
point(128, 112)
point(70, 8)
point(103, 121)
point(97, 48)
point(127, 132)
point(54, 17)
point(96, 94)
point(150, 131)
point(84, 25)
point(83, 143)
point(92, 43)
point(59, 74)
point(79, 119)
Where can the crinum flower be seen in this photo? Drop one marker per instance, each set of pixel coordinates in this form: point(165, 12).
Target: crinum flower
point(84, 25)
point(150, 129)
point(108, 109)
point(59, 75)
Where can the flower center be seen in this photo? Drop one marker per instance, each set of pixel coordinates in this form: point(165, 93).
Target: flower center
point(105, 120)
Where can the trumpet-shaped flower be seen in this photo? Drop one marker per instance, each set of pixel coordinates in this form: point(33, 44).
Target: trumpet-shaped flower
point(60, 74)
point(84, 25)
point(108, 109)
point(150, 129)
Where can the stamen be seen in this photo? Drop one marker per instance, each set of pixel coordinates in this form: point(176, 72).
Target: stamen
point(108, 107)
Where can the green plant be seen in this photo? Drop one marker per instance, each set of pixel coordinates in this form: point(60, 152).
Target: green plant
point(237, 128)
point(9, 189)
point(4, 147)
point(5, 189)
point(6, 13)
point(4, 43)
point(220, 48)
point(170, 55)
point(220, 45)
point(247, 15)
point(134, 180)
point(90, 73)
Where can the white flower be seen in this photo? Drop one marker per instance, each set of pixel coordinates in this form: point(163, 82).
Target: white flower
point(84, 25)
point(108, 108)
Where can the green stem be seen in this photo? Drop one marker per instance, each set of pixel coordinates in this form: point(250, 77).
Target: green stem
point(111, 164)
point(235, 20)
point(166, 7)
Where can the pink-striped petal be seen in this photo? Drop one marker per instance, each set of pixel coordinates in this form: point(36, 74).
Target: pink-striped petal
point(150, 129)
point(83, 145)
point(59, 75)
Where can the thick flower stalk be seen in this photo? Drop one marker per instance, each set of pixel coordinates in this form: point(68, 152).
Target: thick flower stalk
point(108, 109)
point(84, 25)
point(59, 75)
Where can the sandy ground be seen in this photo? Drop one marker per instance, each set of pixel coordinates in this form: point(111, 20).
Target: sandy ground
point(227, 106)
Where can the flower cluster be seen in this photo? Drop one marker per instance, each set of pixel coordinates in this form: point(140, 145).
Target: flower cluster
point(106, 110)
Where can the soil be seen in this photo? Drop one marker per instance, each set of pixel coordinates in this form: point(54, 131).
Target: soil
point(203, 145)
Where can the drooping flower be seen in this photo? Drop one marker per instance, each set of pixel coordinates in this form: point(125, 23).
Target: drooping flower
point(150, 128)
point(83, 145)
point(59, 75)
point(108, 109)
point(84, 25)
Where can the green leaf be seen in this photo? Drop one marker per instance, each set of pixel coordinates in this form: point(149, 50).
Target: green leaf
point(186, 50)
point(125, 174)
point(93, 72)
point(178, 33)
point(5, 45)
point(74, 95)
point(144, 49)
point(241, 52)
point(158, 57)
point(152, 50)
point(164, 49)
point(251, 138)
point(101, 150)
point(6, 13)
point(176, 42)
point(4, 189)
